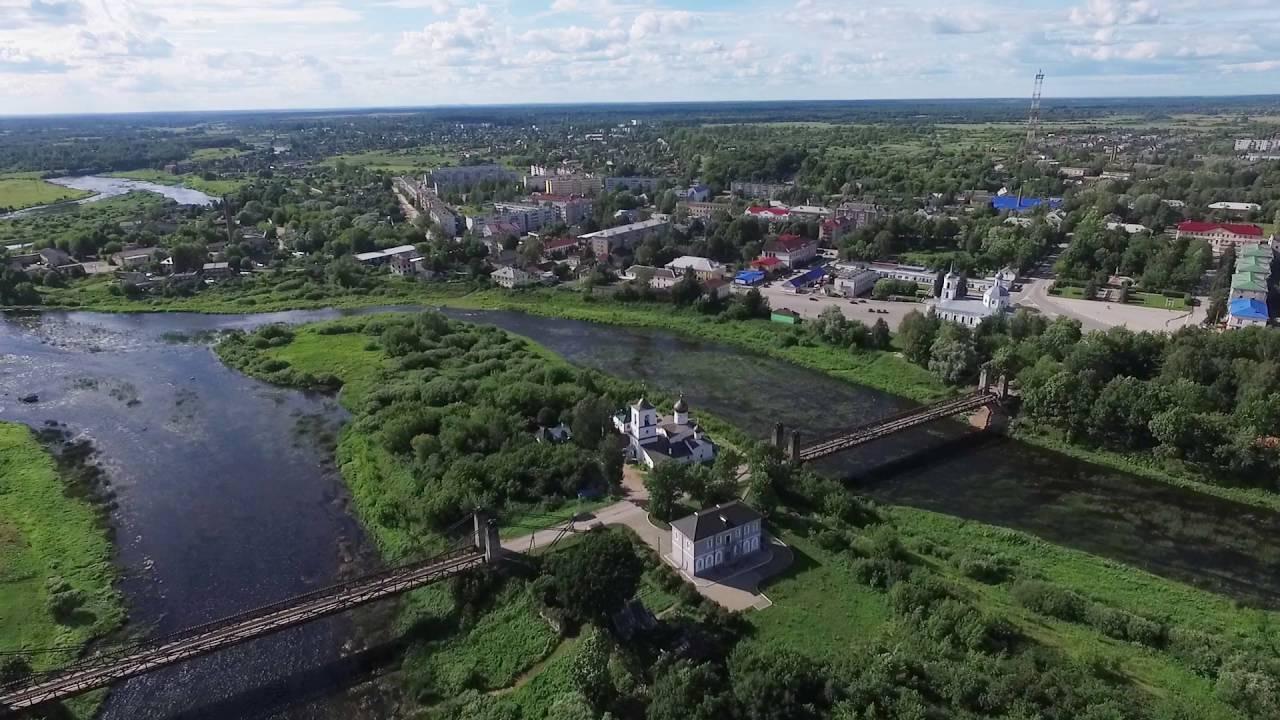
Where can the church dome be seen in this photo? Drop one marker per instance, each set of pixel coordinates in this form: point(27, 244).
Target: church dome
point(681, 406)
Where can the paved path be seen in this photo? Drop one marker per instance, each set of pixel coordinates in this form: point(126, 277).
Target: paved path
point(737, 592)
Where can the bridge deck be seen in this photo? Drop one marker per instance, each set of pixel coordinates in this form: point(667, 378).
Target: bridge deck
point(897, 423)
point(99, 671)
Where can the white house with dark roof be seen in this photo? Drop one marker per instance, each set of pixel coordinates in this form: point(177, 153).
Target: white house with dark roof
point(715, 537)
point(654, 439)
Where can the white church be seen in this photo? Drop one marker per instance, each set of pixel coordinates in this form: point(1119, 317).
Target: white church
point(654, 439)
point(953, 307)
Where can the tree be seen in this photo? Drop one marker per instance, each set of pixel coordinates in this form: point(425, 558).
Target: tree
point(592, 579)
point(684, 691)
point(665, 483)
point(953, 357)
point(589, 671)
point(613, 461)
point(880, 337)
point(686, 290)
point(916, 334)
point(777, 683)
point(188, 257)
point(592, 420)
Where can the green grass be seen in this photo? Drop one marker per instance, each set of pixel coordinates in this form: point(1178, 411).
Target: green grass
point(190, 180)
point(17, 193)
point(341, 355)
point(819, 608)
point(822, 610)
point(1156, 300)
point(398, 161)
point(69, 221)
point(46, 534)
point(222, 153)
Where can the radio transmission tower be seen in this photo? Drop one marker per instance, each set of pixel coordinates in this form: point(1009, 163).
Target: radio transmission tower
point(1033, 120)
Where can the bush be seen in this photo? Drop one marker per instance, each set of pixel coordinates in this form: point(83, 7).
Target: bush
point(1051, 600)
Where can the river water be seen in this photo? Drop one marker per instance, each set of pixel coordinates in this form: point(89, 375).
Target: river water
point(227, 500)
point(109, 187)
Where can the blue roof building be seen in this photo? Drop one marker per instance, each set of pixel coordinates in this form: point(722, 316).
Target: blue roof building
point(1013, 203)
point(808, 277)
point(749, 277)
point(1244, 312)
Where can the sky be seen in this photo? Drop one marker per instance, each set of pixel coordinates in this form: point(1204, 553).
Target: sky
point(72, 56)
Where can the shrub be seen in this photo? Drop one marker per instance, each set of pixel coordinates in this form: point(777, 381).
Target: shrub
point(1051, 600)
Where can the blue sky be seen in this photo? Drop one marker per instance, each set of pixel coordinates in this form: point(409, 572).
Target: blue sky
point(136, 55)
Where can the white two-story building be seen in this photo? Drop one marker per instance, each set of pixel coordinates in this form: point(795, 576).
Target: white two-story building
point(715, 537)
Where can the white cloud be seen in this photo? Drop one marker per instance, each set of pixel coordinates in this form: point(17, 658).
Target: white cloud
point(953, 22)
point(1108, 13)
point(653, 24)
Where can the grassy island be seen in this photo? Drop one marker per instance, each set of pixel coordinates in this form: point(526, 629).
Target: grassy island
point(56, 576)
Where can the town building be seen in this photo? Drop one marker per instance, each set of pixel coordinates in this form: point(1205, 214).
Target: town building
point(703, 268)
point(861, 213)
point(382, 257)
point(1016, 204)
point(952, 307)
point(1259, 145)
point(808, 278)
point(636, 185)
point(1245, 312)
point(696, 193)
point(769, 214)
point(761, 190)
point(854, 280)
point(511, 277)
point(215, 270)
point(529, 217)
point(790, 250)
point(441, 214)
point(559, 248)
point(784, 316)
point(717, 537)
point(703, 211)
point(134, 258)
point(653, 439)
point(1220, 236)
point(571, 185)
point(568, 210)
point(655, 277)
point(749, 278)
point(604, 242)
point(811, 212)
point(1239, 209)
point(445, 179)
point(833, 230)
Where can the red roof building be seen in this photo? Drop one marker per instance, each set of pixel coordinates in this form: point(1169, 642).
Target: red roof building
point(768, 214)
point(768, 264)
point(559, 246)
point(791, 250)
point(1221, 236)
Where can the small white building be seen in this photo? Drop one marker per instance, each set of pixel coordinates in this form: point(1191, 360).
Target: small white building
point(382, 257)
point(703, 268)
point(654, 439)
point(953, 308)
point(715, 537)
point(1236, 208)
point(854, 280)
point(511, 277)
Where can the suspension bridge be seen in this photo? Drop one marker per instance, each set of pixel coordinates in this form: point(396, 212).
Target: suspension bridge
point(986, 396)
point(479, 547)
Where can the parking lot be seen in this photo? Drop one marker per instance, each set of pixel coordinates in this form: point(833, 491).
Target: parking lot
point(865, 310)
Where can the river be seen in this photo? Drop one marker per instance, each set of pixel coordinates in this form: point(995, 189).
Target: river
point(226, 500)
point(109, 187)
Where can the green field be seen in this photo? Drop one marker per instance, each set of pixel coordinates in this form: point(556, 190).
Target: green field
point(204, 154)
point(17, 193)
point(71, 220)
point(398, 161)
point(50, 542)
point(191, 180)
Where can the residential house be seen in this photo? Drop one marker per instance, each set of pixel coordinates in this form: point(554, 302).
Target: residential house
point(511, 277)
point(696, 194)
point(717, 287)
point(653, 439)
point(560, 248)
point(572, 185)
point(1246, 312)
point(1220, 236)
point(703, 268)
point(655, 277)
point(861, 213)
point(716, 538)
point(811, 212)
point(761, 190)
point(132, 258)
point(833, 230)
point(216, 270)
point(604, 242)
point(791, 250)
point(529, 217)
point(446, 179)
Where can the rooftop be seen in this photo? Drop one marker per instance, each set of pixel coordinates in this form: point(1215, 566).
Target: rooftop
point(1193, 226)
point(714, 521)
point(1249, 309)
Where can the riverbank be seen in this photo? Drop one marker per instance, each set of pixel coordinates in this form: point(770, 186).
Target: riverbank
point(884, 371)
point(56, 573)
point(1170, 472)
point(20, 191)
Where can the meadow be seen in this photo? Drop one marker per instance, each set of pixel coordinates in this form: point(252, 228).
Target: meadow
point(419, 159)
point(56, 576)
point(24, 190)
point(217, 188)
